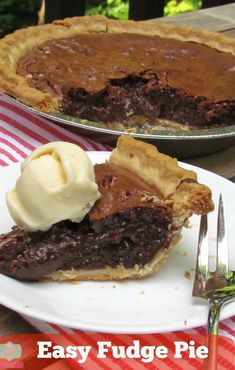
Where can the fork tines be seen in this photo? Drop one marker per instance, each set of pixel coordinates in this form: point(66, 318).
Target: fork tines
point(222, 260)
point(206, 281)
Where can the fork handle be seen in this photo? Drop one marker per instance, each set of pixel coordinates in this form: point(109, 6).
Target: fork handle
point(213, 317)
point(212, 331)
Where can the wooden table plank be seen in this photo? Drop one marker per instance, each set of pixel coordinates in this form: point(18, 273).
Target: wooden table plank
point(226, 12)
point(12, 323)
point(221, 163)
point(230, 33)
point(218, 19)
point(201, 19)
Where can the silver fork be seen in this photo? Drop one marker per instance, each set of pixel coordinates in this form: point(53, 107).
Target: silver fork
point(216, 287)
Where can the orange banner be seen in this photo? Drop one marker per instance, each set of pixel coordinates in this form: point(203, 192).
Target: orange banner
point(111, 352)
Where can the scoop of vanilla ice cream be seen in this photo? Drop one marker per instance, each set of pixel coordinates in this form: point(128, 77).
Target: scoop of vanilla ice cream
point(57, 182)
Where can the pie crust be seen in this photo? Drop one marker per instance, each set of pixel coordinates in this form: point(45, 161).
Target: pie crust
point(178, 186)
point(14, 46)
point(177, 189)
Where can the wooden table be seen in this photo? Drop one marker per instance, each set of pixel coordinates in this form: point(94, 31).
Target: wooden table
point(221, 19)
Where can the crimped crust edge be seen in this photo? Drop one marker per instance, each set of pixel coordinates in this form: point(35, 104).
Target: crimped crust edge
point(17, 44)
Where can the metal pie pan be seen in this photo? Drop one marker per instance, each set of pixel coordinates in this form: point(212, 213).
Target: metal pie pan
point(182, 144)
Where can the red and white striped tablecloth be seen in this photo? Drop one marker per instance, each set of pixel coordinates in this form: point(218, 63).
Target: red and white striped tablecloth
point(20, 133)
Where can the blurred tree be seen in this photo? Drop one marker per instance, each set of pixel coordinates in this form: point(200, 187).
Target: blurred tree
point(181, 6)
point(92, 3)
point(110, 8)
point(17, 14)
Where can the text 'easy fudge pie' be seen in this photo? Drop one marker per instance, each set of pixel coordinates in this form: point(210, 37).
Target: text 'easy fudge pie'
point(124, 74)
point(116, 220)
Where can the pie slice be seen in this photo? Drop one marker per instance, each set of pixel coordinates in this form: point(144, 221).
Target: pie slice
point(124, 74)
point(146, 199)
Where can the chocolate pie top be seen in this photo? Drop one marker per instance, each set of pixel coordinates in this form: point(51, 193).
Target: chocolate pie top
point(106, 70)
point(89, 61)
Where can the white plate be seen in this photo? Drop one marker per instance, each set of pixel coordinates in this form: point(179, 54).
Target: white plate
point(160, 303)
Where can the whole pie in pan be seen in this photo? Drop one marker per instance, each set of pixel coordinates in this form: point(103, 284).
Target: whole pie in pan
point(146, 199)
point(124, 74)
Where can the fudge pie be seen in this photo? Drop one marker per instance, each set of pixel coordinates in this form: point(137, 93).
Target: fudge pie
point(117, 220)
point(124, 74)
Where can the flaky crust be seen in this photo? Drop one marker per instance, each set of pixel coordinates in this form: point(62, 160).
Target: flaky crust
point(157, 169)
point(177, 184)
point(14, 46)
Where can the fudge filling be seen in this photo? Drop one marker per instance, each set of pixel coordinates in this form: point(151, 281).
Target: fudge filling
point(136, 79)
point(128, 225)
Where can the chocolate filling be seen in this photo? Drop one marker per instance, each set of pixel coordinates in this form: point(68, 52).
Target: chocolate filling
point(139, 100)
point(127, 226)
point(127, 238)
point(136, 79)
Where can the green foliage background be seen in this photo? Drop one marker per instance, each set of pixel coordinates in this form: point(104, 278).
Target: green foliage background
point(16, 14)
point(174, 6)
point(119, 8)
point(110, 8)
